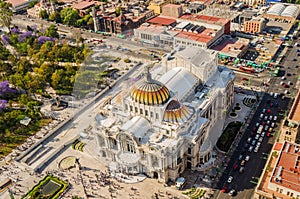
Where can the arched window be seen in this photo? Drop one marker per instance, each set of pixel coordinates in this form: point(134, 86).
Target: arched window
point(127, 144)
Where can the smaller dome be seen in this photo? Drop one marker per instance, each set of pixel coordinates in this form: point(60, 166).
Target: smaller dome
point(177, 113)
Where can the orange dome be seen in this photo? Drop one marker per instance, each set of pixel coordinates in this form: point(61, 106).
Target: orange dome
point(150, 93)
point(176, 112)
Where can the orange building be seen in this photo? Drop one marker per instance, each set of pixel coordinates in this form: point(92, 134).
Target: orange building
point(172, 10)
point(254, 26)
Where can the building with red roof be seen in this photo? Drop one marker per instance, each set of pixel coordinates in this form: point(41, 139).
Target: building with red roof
point(281, 176)
point(162, 21)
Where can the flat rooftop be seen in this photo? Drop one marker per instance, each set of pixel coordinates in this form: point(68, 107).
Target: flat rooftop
point(152, 29)
point(207, 35)
point(162, 21)
point(205, 19)
point(286, 172)
point(231, 46)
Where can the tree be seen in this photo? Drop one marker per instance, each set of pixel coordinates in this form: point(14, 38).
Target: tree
point(69, 16)
point(51, 31)
point(5, 14)
point(43, 14)
point(55, 16)
point(118, 10)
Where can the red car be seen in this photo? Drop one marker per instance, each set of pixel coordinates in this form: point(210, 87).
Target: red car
point(269, 111)
point(224, 189)
point(268, 134)
point(235, 167)
point(244, 79)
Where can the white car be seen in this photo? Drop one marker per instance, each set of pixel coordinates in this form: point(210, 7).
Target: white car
point(273, 124)
point(250, 149)
point(257, 136)
point(275, 118)
point(261, 115)
point(260, 139)
point(263, 134)
point(256, 149)
point(266, 127)
point(230, 179)
point(271, 117)
point(247, 158)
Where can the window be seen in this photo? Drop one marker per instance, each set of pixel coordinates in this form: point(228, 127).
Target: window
point(189, 151)
point(146, 112)
point(288, 193)
point(131, 109)
point(151, 114)
point(156, 116)
point(126, 107)
point(136, 109)
point(141, 111)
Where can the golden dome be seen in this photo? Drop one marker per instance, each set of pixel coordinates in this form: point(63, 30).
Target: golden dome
point(176, 112)
point(150, 93)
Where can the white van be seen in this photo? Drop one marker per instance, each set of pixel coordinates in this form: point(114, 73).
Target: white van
point(275, 95)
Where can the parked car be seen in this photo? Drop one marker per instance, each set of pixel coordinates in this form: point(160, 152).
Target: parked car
point(243, 163)
point(256, 149)
point(257, 136)
point(262, 134)
point(242, 169)
point(240, 157)
point(235, 167)
point(249, 140)
point(224, 189)
point(260, 139)
point(275, 118)
point(253, 142)
point(250, 149)
point(273, 125)
point(270, 117)
point(266, 127)
point(247, 158)
point(230, 179)
point(261, 115)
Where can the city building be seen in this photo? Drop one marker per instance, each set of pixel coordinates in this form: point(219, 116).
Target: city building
point(190, 30)
point(18, 5)
point(290, 130)
point(34, 12)
point(172, 10)
point(255, 25)
point(156, 6)
point(282, 11)
point(195, 8)
point(126, 22)
point(168, 119)
point(280, 177)
point(82, 6)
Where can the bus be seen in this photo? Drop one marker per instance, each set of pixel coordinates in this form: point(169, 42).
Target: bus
point(275, 73)
point(247, 69)
point(4, 184)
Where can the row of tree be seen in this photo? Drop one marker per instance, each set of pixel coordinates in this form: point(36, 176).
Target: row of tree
point(69, 17)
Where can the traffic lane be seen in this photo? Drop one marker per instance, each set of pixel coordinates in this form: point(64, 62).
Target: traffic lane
point(243, 180)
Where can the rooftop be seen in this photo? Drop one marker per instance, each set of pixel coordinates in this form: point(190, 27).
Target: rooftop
point(286, 172)
point(205, 19)
point(152, 29)
point(83, 5)
point(172, 6)
point(204, 37)
point(231, 46)
point(162, 21)
point(16, 2)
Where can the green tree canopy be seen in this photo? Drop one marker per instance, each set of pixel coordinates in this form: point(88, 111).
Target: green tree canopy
point(5, 14)
point(51, 31)
point(55, 16)
point(43, 14)
point(69, 16)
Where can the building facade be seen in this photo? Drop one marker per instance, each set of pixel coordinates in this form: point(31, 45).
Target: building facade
point(170, 118)
point(172, 10)
point(280, 177)
point(254, 26)
point(290, 128)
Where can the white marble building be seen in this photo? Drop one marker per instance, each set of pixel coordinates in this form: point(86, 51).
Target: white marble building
point(170, 119)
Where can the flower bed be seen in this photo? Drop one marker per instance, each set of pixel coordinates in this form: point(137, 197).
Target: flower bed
point(194, 193)
point(49, 187)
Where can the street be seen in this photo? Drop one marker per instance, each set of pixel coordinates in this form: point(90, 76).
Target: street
point(244, 183)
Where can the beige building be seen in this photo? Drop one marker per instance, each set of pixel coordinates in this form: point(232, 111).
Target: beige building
point(172, 10)
point(280, 177)
point(157, 5)
point(254, 25)
point(290, 130)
